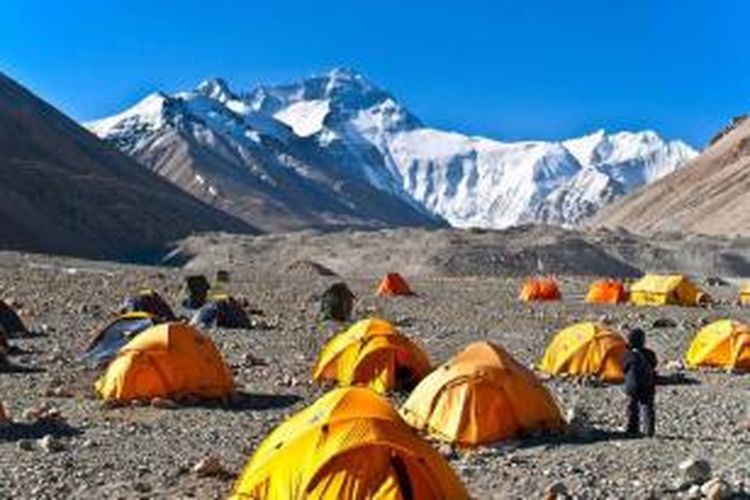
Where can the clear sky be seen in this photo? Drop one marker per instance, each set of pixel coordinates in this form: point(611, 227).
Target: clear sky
point(525, 69)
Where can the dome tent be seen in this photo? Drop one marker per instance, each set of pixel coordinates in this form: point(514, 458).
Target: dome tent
point(480, 396)
point(721, 344)
point(586, 349)
point(350, 444)
point(540, 289)
point(393, 284)
point(170, 360)
point(607, 292)
point(371, 352)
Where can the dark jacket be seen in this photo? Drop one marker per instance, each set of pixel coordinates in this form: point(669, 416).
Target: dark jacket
point(639, 367)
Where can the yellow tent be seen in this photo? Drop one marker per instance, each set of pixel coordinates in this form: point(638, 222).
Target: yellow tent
point(661, 290)
point(349, 444)
point(480, 396)
point(745, 294)
point(586, 349)
point(371, 352)
point(723, 343)
point(168, 360)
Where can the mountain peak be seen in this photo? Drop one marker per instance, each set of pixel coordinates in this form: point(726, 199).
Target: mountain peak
point(215, 88)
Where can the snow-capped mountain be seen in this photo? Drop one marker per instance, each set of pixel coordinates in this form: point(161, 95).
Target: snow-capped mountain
point(217, 146)
point(362, 134)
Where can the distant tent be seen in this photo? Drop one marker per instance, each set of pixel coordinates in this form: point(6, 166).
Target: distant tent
point(171, 360)
point(222, 310)
point(744, 299)
point(607, 292)
point(480, 396)
point(372, 353)
point(10, 322)
point(393, 284)
point(350, 444)
point(721, 344)
point(540, 289)
point(586, 349)
point(110, 339)
point(337, 303)
point(149, 301)
point(659, 290)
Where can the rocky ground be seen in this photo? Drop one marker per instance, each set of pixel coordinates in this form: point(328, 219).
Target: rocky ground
point(96, 452)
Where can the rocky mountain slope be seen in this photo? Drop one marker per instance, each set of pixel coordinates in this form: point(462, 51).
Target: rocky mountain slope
point(66, 192)
point(709, 195)
point(214, 145)
point(341, 129)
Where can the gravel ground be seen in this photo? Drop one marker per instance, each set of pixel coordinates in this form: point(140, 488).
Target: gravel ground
point(149, 452)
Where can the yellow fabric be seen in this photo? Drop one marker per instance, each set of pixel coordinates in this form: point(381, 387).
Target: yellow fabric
point(349, 444)
point(371, 352)
point(586, 349)
point(168, 360)
point(660, 290)
point(723, 343)
point(745, 294)
point(480, 396)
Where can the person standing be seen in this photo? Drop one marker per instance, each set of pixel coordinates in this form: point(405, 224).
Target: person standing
point(639, 367)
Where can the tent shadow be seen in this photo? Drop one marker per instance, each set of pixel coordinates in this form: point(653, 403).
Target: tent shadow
point(244, 401)
point(17, 431)
point(590, 436)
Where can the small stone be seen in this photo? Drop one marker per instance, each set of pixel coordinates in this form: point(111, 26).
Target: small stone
point(694, 492)
point(556, 491)
point(664, 323)
point(674, 365)
point(164, 403)
point(697, 471)
point(209, 466)
point(716, 489)
point(25, 445)
point(4, 414)
point(447, 451)
point(51, 444)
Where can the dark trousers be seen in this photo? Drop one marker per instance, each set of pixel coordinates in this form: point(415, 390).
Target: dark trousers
point(637, 405)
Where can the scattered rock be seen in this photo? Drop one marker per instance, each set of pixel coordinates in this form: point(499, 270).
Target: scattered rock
point(716, 489)
point(4, 414)
point(674, 365)
point(25, 445)
point(696, 470)
point(248, 359)
point(164, 403)
point(447, 451)
point(51, 444)
point(209, 466)
point(556, 491)
point(664, 323)
point(716, 281)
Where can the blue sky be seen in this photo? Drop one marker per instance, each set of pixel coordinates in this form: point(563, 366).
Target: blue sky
point(508, 69)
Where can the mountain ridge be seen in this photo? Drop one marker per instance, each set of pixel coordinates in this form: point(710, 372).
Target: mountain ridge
point(367, 136)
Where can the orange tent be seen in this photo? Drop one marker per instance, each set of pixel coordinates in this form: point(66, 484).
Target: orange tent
point(393, 284)
point(540, 289)
point(586, 349)
point(480, 396)
point(169, 360)
point(350, 444)
point(371, 352)
point(607, 292)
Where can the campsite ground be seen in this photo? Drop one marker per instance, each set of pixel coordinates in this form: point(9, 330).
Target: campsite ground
point(148, 452)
